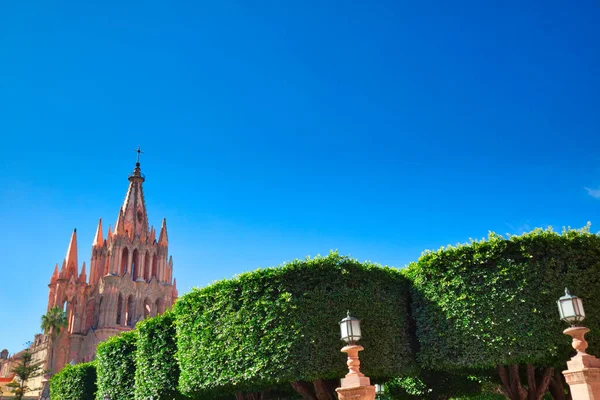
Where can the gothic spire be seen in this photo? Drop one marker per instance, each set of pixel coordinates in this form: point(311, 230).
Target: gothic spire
point(82, 276)
point(163, 239)
point(120, 225)
point(71, 258)
point(63, 270)
point(54, 274)
point(98, 240)
point(133, 217)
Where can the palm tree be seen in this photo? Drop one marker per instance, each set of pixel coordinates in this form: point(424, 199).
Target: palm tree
point(52, 323)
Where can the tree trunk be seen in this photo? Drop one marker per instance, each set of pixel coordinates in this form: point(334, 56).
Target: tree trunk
point(324, 390)
point(543, 383)
point(319, 389)
point(305, 389)
point(514, 390)
point(557, 387)
point(264, 395)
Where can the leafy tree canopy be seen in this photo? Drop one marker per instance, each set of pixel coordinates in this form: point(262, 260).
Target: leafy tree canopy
point(279, 325)
point(493, 301)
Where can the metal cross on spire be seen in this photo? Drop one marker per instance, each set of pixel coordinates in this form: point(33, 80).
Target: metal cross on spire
point(138, 151)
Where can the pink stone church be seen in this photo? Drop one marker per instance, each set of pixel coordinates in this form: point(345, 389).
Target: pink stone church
point(130, 278)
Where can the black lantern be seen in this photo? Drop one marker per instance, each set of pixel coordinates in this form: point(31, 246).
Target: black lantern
point(570, 308)
point(350, 329)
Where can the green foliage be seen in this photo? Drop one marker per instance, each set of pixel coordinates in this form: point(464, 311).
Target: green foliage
point(432, 385)
point(115, 366)
point(157, 371)
point(74, 382)
point(278, 325)
point(493, 302)
point(24, 370)
point(54, 321)
point(52, 324)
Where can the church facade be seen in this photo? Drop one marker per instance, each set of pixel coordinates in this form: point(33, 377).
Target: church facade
point(130, 279)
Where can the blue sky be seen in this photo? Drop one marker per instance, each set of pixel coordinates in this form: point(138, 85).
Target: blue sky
point(277, 130)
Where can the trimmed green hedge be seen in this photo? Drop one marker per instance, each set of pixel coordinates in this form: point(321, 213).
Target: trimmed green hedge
point(115, 359)
point(74, 382)
point(493, 302)
point(157, 372)
point(433, 385)
point(279, 325)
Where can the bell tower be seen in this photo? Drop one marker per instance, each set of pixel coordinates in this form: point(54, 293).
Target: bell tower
point(130, 279)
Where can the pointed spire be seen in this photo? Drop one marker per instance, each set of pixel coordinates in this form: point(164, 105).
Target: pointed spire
point(82, 276)
point(133, 213)
point(152, 234)
point(54, 274)
point(63, 270)
point(175, 291)
point(163, 239)
point(71, 259)
point(120, 225)
point(98, 239)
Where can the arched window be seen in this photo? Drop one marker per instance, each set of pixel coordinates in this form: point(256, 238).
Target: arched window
point(106, 267)
point(154, 267)
point(71, 315)
point(135, 265)
point(160, 306)
point(98, 313)
point(124, 260)
point(89, 315)
point(147, 269)
point(119, 309)
point(130, 311)
point(147, 308)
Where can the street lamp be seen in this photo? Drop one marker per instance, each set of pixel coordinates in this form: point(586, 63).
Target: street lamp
point(571, 311)
point(350, 329)
point(379, 391)
point(355, 385)
point(570, 308)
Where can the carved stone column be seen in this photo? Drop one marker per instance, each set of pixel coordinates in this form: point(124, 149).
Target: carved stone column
point(583, 373)
point(355, 385)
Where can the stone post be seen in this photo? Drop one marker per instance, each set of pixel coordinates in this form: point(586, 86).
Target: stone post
point(355, 386)
point(583, 373)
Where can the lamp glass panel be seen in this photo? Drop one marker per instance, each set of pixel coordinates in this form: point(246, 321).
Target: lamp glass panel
point(579, 307)
point(344, 330)
point(567, 308)
point(356, 329)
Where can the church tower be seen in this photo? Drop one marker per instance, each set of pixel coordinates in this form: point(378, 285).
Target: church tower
point(130, 278)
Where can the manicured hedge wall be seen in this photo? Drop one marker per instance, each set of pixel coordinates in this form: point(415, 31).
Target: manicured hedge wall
point(74, 382)
point(494, 302)
point(157, 372)
point(115, 359)
point(280, 325)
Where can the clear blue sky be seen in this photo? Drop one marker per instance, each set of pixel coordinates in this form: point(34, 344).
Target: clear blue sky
point(273, 130)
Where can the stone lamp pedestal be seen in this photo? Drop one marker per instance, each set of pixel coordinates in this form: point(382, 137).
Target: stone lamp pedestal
point(583, 373)
point(355, 385)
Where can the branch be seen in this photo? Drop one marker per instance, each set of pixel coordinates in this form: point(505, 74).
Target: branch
point(305, 389)
point(544, 383)
point(531, 381)
point(518, 390)
point(505, 382)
